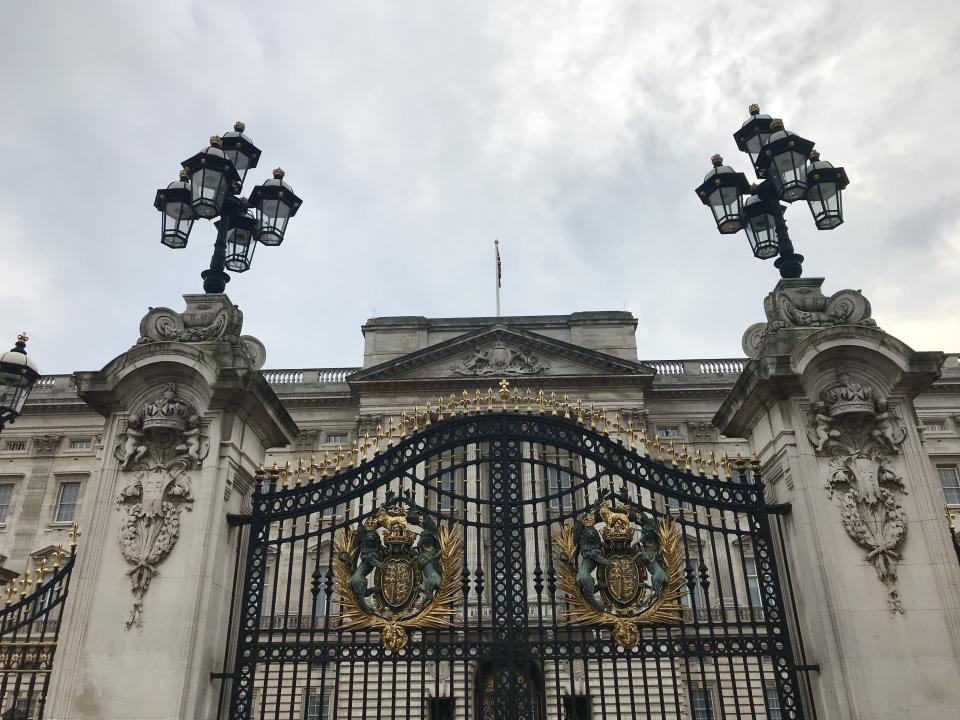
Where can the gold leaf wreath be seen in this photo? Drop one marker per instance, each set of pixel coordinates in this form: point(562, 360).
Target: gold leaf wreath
point(438, 613)
point(665, 608)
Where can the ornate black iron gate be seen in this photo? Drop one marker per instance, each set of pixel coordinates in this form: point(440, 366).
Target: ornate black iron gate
point(512, 557)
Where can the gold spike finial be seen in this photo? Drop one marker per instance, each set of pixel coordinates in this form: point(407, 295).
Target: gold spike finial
point(74, 535)
point(427, 412)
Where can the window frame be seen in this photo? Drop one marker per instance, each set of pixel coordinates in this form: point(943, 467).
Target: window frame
point(325, 702)
point(59, 503)
point(708, 695)
point(768, 692)
point(5, 515)
point(87, 444)
point(943, 488)
point(749, 560)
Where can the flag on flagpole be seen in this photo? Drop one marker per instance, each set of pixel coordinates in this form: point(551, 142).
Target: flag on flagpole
point(499, 266)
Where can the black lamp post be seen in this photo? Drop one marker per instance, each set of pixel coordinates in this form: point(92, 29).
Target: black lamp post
point(209, 187)
point(18, 373)
point(789, 170)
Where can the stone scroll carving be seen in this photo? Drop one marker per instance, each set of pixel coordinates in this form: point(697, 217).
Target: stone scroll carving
point(499, 360)
point(207, 319)
point(800, 303)
point(163, 442)
point(855, 427)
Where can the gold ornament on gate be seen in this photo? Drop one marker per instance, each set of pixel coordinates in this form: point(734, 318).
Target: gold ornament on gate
point(612, 578)
point(416, 575)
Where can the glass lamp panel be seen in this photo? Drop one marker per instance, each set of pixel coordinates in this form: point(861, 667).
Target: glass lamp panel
point(755, 144)
point(176, 230)
point(208, 190)
point(762, 235)
point(725, 204)
point(824, 201)
point(240, 247)
point(791, 175)
point(13, 392)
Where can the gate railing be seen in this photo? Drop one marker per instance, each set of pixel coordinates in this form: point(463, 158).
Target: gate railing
point(30, 624)
point(513, 484)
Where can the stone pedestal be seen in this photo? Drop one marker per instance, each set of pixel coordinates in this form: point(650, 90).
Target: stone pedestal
point(189, 417)
point(827, 404)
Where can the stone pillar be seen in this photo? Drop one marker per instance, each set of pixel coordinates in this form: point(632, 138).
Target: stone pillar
point(827, 403)
point(188, 419)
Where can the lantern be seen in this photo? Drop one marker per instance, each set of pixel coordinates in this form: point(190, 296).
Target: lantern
point(761, 228)
point(241, 151)
point(18, 373)
point(784, 161)
point(174, 202)
point(274, 203)
point(212, 175)
point(240, 242)
point(825, 185)
point(721, 191)
point(753, 135)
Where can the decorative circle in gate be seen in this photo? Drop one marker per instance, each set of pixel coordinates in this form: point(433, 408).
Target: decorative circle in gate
point(636, 583)
point(416, 576)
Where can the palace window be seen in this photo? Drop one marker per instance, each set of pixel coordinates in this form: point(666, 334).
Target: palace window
point(448, 485)
point(80, 444)
point(935, 425)
point(559, 484)
point(338, 438)
point(950, 482)
point(701, 704)
point(318, 706)
point(67, 502)
point(15, 445)
point(440, 709)
point(753, 582)
point(773, 704)
point(6, 495)
point(668, 432)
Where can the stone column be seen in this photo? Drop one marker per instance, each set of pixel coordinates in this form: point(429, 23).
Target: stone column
point(188, 419)
point(827, 403)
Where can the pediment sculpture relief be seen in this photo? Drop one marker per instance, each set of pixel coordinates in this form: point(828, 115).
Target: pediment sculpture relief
point(499, 360)
point(162, 443)
point(856, 428)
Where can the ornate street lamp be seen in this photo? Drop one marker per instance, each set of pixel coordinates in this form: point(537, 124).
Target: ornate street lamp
point(18, 373)
point(790, 170)
point(209, 187)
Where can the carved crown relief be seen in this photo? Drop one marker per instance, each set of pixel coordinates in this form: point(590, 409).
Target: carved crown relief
point(207, 319)
point(499, 360)
point(855, 427)
point(162, 443)
point(801, 304)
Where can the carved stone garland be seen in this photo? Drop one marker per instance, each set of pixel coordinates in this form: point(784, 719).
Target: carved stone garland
point(857, 430)
point(163, 442)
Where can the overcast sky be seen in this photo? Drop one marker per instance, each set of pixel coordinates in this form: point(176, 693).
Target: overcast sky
point(417, 132)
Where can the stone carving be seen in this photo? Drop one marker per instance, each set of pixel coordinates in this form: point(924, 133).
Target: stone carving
point(499, 360)
point(800, 303)
point(207, 319)
point(857, 430)
point(162, 442)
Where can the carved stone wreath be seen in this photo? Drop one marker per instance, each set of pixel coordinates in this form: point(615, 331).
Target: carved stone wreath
point(855, 427)
point(163, 442)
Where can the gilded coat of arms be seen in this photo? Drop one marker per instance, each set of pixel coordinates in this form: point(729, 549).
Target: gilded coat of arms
point(416, 568)
point(613, 577)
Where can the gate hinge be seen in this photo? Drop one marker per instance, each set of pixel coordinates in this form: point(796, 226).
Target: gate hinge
point(779, 508)
point(812, 667)
point(220, 675)
point(236, 519)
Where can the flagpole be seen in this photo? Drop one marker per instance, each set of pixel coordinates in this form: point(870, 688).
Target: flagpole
point(496, 268)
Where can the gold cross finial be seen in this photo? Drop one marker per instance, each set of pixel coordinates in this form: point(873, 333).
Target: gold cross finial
point(504, 389)
point(74, 534)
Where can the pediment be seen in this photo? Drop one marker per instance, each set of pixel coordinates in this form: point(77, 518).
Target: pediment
point(501, 352)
